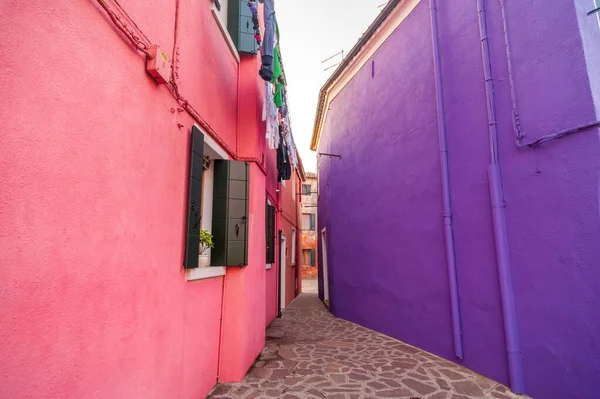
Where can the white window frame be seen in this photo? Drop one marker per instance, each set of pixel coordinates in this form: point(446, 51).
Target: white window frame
point(214, 151)
point(220, 17)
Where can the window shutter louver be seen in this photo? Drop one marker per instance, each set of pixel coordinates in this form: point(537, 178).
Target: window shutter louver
point(312, 222)
point(230, 214)
point(192, 247)
point(312, 257)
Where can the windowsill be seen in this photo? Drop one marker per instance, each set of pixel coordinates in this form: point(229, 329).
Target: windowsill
point(225, 33)
point(269, 266)
point(202, 273)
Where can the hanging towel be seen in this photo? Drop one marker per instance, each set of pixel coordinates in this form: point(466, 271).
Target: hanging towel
point(293, 152)
point(270, 115)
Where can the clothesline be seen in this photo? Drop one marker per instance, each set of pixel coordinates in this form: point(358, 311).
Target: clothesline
point(276, 108)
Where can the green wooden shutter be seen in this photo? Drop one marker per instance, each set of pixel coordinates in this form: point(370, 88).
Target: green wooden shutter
point(270, 233)
point(192, 247)
point(312, 257)
point(312, 222)
point(267, 227)
point(240, 26)
point(230, 214)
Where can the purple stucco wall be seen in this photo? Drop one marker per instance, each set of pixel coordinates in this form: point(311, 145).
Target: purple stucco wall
point(387, 265)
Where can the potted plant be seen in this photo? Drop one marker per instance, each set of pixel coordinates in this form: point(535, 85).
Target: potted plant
point(206, 241)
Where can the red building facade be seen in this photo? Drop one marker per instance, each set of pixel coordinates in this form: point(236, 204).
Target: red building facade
point(97, 201)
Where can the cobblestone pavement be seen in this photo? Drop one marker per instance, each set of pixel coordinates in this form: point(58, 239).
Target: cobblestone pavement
point(312, 354)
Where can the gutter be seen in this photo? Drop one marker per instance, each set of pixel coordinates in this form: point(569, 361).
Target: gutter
point(447, 203)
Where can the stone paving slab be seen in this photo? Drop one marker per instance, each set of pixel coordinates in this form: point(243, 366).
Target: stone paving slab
point(312, 354)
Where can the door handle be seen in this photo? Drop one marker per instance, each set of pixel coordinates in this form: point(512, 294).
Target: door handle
point(237, 226)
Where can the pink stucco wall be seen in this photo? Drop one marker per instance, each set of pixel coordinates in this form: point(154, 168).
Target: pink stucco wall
point(272, 282)
point(93, 203)
point(290, 220)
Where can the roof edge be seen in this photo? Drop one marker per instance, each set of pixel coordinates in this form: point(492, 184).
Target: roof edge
point(338, 71)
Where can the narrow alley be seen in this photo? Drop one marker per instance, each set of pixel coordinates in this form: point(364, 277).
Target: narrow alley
point(345, 199)
point(312, 354)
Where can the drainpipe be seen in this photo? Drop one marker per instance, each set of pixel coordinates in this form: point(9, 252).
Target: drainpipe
point(448, 226)
point(511, 333)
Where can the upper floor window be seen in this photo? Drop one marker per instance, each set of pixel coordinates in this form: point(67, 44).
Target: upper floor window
point(309, 221)
point(238, 19)
point(306, 189)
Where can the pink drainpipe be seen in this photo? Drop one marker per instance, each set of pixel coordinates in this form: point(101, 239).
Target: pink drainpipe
point(513, 347)
point(448, 226)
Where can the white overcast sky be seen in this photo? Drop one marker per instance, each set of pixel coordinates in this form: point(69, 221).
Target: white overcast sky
point(312, 31)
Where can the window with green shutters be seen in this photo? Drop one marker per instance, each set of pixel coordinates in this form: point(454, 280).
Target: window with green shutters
point(309, 221)
point(235, 17)
point(306, 189)
point(309, 257)
point(241, 27)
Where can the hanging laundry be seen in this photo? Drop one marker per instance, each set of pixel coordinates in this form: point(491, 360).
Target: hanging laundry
point(270, 115)
point(266, 70)
point(289, 139)
point(283, 109)
point(284, 168)
point(278, 80)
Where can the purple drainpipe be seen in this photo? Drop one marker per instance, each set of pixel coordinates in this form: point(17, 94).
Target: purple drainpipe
point(448, 228)
point(513, 347)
